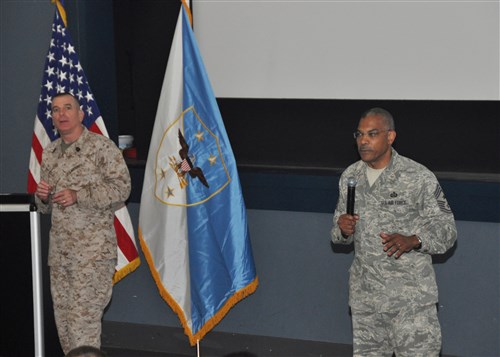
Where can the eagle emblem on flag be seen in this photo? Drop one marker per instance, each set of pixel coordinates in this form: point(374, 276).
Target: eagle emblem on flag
point(189, 155)
point(186, 165)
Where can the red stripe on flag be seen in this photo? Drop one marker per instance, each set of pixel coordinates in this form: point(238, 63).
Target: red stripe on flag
point(185, 166)
point(95, 129)
point(125, 242)
point(32, 185)
point(37, 148)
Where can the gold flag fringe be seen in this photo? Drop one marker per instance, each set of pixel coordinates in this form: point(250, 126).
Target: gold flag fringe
point(233, 300)
point(127, 269)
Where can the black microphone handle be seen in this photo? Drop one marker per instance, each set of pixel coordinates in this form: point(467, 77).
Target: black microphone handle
point(351, 193)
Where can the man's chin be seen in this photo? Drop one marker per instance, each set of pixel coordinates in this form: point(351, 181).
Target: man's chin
point(365, 156)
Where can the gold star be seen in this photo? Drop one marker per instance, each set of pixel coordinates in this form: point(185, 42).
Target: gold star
point(199, 136)
point(212, 159)
point(163, 174)
point(169, 192)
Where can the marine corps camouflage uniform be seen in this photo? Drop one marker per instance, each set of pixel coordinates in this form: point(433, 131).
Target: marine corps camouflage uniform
point(82, 248)
point(405, 199)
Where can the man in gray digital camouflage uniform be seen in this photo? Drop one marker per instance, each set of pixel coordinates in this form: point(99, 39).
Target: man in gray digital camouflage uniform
point(401, 218)
point(84, 179)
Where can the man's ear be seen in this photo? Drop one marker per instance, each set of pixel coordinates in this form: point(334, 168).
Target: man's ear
point(392, 136)
point(81, 115)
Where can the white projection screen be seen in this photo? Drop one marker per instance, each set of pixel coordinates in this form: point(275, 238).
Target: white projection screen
point(429, 50)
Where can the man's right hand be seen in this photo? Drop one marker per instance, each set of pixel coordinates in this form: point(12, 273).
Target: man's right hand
point(43, 191)
point(347, 224)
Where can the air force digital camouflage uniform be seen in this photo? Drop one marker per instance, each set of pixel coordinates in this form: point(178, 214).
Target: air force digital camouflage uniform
point(405, 199)
point(82, 248)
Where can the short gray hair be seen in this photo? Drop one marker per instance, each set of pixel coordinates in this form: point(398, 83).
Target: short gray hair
point(386, 116)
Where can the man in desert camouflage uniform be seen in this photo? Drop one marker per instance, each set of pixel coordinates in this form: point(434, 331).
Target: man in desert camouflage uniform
point(84, 179)
point(401, 218)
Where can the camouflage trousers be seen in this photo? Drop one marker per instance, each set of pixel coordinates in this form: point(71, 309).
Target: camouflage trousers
point(412, 332)
point(79, 296)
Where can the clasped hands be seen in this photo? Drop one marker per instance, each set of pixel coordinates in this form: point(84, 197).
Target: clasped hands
point(393, 243)
point(64, 198)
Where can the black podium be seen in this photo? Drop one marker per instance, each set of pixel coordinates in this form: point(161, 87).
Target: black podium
point(21, 299)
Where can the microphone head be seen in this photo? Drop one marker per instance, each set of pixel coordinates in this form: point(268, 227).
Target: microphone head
point(351, 182)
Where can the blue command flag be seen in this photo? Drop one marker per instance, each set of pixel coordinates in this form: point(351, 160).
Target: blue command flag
point(192, 222)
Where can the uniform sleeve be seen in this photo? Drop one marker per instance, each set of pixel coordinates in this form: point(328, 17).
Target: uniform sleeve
point(112, 186)
point(335, 233)
point(42, 207)
point(436, 227)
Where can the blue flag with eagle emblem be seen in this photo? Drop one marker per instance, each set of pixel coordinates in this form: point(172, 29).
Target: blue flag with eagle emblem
point(192, 222)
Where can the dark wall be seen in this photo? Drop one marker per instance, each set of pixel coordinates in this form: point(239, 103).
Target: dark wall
point(144, 30)
point(447, 136)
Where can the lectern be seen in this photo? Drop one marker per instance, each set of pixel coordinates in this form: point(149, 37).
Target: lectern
point(22, 296)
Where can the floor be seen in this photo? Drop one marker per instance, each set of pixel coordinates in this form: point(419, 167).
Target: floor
point(120, 352)
point(130, 340)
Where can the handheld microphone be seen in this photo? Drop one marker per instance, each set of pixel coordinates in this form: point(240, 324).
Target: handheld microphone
point(351, 193)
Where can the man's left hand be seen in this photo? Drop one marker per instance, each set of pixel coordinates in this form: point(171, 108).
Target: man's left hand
point(397, 244)
point(65, 198)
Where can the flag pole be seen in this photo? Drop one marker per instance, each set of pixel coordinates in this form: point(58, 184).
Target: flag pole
point(60, 7)
point(188, 11)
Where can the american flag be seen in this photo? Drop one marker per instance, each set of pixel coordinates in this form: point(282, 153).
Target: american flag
point(185, 166)
point(64, 73)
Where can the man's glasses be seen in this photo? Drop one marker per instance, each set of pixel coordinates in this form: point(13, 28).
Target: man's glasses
point(371, 134)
